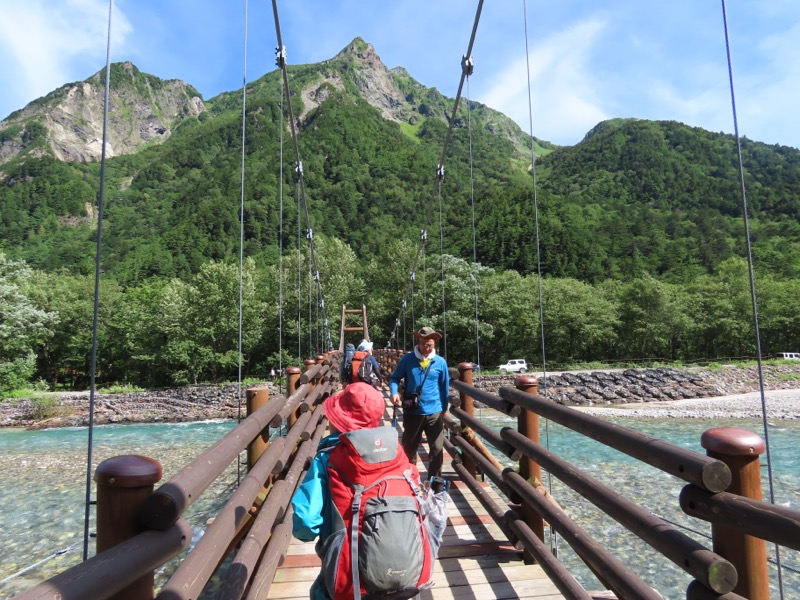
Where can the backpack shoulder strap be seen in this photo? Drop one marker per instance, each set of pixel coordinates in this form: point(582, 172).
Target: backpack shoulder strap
point(354, 528)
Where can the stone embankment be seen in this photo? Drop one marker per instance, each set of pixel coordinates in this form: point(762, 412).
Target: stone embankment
point(578, 388)
point(605, 388)
point(169, 405)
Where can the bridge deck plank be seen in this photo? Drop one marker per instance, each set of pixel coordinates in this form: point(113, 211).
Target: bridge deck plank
point(475, 560)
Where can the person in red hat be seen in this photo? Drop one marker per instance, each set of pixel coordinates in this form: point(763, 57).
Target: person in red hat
point(358, 406)
point(353, 413)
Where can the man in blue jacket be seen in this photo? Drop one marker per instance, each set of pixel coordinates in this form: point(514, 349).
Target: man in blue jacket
point(425, 373)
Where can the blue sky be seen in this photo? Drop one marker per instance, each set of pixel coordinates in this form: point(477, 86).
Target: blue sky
point(588, 60)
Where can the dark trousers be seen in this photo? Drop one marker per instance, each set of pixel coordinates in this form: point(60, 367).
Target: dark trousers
point(433, 427)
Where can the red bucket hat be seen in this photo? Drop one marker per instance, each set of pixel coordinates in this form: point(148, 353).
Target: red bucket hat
point(359, 406)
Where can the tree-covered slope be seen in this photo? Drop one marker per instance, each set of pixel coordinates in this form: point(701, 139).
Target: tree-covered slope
point(633, 197)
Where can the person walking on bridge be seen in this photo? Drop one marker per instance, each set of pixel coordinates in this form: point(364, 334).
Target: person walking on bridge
point(425, 398)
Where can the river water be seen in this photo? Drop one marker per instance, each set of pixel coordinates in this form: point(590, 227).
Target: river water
point(44, 472)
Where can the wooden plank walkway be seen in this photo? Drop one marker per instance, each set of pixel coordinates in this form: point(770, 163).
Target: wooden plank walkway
point(475, 561)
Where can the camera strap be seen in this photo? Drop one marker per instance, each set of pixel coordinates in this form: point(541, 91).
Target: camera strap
point(428, 370)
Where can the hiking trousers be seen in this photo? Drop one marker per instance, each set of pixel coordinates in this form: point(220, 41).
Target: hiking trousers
point(433, 427)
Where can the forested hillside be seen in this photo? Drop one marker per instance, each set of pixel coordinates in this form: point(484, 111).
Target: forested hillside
point(640, 225)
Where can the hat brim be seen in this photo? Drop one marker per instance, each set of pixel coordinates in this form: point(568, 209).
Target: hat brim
point(336, 415)
point(431, 336)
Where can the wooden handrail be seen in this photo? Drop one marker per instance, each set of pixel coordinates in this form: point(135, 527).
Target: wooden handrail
point(199, 565)
point(238, 576)
point(110, 572)
point(168, 502)
point(771, 522)
point(708, 473)
point(704, 565)
point(608, 568)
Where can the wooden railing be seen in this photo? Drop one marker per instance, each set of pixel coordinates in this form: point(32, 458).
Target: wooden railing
point(139, 529)
point(254, 523)
point(736, 568)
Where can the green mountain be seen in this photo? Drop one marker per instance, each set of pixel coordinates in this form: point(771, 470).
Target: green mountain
point(633, 197)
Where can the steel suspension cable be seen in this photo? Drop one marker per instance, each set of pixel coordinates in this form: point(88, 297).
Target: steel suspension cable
point(440, 165)
point(752, 280)
point(241, 238)
point(441, 255)
point(474, 240)
point(301, 196)
point(554, 537)
point(299, 280)
point(96, 307)
point(278, 54)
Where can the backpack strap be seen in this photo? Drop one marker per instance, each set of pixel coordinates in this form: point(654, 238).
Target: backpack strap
point(356, 508)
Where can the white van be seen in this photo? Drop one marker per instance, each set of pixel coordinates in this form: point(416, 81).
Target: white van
point(789, 356)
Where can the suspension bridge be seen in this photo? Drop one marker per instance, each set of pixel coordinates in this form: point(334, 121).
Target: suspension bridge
point(502, 521)
point(503, 525)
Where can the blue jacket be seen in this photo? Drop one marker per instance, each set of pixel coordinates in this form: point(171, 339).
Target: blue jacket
point(436, 390)
point(311, 501)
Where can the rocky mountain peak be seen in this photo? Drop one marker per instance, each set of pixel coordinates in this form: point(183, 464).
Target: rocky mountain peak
point(68, 122)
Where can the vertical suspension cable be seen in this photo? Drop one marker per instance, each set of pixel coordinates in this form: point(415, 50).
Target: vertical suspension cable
point(554, 536)
point(472, 202)
point(302, 204)
point(440, 164)
point(424, 281)
point(299, 283)
point(441, 254)
point(96, 307)
point(751, 276)
point(280, 57)
point(413, 323)
point(241, 239)
point(310, 311)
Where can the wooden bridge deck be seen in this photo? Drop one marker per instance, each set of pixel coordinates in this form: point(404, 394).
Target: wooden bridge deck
point(475, 561)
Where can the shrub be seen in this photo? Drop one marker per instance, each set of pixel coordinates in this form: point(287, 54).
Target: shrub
point(45, 407)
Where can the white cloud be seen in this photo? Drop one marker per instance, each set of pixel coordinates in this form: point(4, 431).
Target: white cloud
point(564, 91)
point(47, 43)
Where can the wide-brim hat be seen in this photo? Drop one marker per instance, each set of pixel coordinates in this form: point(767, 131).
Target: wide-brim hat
point(427, 333)
point(358, 406)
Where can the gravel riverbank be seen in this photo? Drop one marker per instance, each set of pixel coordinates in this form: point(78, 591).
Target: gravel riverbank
point(657, 393)
point(780, 404)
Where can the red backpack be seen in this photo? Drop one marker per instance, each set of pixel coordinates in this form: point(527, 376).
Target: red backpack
point(380, 546)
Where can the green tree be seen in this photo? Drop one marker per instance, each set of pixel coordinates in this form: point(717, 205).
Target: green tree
point(302, 318)
point(200, 321)
point(509, 303)
point(721, 312)
point(652, 319)
point(579, 323)
point(23, 326)
point(66, 355)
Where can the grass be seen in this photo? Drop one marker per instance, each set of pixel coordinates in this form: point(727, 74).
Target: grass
point(121, 388)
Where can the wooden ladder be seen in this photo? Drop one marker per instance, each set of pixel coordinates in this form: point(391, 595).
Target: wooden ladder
point(363, 328)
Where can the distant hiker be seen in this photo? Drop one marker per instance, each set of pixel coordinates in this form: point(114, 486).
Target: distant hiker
point(425, 399)
point(272, 373)
point(349, 350)
point(363, 498)
point(363, 366)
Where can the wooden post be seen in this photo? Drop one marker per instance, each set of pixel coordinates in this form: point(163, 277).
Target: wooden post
point(529, 470)
point(123, 484)
point(292, 378)
point(468, 406)
point(256, 398)
point(740, 449)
